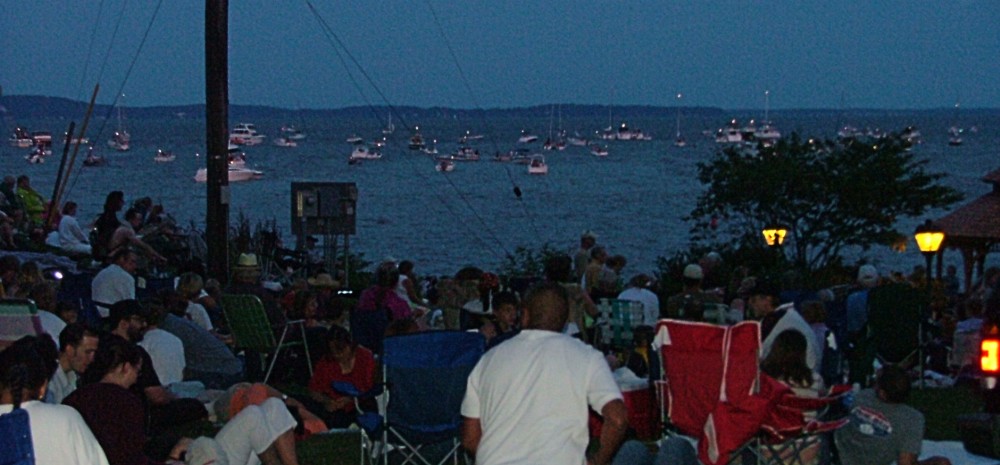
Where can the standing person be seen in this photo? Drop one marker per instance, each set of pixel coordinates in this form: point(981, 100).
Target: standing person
point(557, 270)
point(59, 434)
point(883, 429)
point(587, 241)
point(689, 304)
point(527, 398)
point(856, 309)
point(71, 237)
point(77, 345)
point(595, 269)
point(638, 290)
point(106, 225)
point(115, 282)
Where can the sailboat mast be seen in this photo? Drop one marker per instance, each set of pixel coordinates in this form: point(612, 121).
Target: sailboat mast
point(767, 106)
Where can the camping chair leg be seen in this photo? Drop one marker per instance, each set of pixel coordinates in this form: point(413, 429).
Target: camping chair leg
point(274, 356)
point(305, 345)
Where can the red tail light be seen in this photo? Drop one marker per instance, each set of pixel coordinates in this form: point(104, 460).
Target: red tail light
point(990, 360)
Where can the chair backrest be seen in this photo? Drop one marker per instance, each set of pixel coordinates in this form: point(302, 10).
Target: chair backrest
point(703, 364)
point(895, 317)
point(426, 374)
point(622, 316)
point(16, 447)
point(248, 322)
point(18, 318)
point(368, 328)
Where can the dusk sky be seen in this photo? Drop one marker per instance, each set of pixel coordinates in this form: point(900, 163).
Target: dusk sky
point(808, 53)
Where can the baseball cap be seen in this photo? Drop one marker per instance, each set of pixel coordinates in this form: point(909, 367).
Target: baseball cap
point(693, 271)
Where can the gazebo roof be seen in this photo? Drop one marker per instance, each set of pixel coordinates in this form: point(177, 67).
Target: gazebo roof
point(978, 220)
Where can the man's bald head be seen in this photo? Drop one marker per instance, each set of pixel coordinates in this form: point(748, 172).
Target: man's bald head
point(546, 307)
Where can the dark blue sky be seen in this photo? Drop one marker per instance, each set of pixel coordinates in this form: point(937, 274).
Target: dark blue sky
point(808, 53)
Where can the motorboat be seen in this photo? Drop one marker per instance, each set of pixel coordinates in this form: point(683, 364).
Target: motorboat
point(465, 153)
point(679, 141)
point(520, 156)
point(245, 134)
point(598, 150)
point(469, 137)
point(285, 142)
point(355, 139)
point(291, 133)
point(416, 140)
point(537, 165)
point(362, 152)
point(730, 134)
point(912, 135)
point(526, 137)
point(42, 138)
point(93, 160)
point(577, 140)
point(767, 133)
point(164, 156)
point(36, 155)
point(235, 174)
point(625, 133)
point(21, 138)
point(444, 166)
point(430, 149)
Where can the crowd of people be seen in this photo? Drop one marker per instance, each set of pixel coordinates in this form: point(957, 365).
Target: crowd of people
point(123, 381)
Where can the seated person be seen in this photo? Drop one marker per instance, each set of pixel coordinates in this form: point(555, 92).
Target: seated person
point(786, 362)
point(71, 237)
point(258, 434)
point(58, 433)
point(189, 286)
point(242, 395)
point(883, 429)
point(347, 361)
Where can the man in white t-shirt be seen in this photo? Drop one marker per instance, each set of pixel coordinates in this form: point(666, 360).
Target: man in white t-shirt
point(638, 290)
point(77, 346)
point(115, 282)
point(527, 399)
point(165, 349)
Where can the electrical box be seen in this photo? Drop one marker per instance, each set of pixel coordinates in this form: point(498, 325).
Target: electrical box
point(324, 208)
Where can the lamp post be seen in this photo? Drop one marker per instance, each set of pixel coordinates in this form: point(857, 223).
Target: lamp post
point(774, 234)
point(929, 239)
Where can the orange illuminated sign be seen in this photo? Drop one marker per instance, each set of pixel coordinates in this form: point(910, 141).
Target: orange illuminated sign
point(990, 361)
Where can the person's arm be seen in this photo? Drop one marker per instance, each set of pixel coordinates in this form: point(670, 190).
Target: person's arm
point(472, 433)
point(908, 458)
point(612, 432)
point(149, 251)
point(158, 395)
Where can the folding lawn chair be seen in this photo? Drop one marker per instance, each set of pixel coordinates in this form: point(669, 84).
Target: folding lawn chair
point(895, 329)
point(18, 318)
point(424, 378)
point(252, 330)
point(712, 390)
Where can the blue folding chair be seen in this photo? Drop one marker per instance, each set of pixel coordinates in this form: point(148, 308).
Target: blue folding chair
point(423, 379)
point(16, 447)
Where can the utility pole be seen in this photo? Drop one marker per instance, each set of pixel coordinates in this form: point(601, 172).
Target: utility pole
point(217, 113)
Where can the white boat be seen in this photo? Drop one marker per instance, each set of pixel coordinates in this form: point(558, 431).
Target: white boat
point(469, 137)
point(625, 133)
point(444, 166)
point(355, 139)
point(767, 133)
point(431, 149)
point(21, 138)
point(730, 134)
point(912, 135)
point(362, 152)
point(285, 142)
point(526, 137)
point(389, 127)
point(164, 156)
point(679, 139)
point(465, 153)
point(291, 133)
point(416, 140)
point(955, 136)
point(36, 155)
point(577, 140)
point(245, 134)
point(235, 174)
point(121, 140)
point(598, 150)
point(537, 165)
point(558, 144)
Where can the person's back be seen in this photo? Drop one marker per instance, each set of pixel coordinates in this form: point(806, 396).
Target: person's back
point(205, 355)
point(534, 391)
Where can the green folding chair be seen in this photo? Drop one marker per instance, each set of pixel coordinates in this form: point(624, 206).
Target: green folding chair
point(19, 318)
point(252, 331)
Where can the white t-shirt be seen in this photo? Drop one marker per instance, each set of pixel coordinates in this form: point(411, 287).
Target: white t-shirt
point(531, 395)
point(51, 324)
point(650, 303)
point(793, 320)
point(112, 284)
point(70, 234)
point(60, 436)
point(62, 384)
point(167, 353)
point(197, 313)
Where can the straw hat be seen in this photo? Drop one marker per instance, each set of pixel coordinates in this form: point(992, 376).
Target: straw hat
point(247, 260)
point(323, 280)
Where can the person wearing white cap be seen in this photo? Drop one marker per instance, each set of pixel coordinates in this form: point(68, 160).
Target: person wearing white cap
point(689, 304)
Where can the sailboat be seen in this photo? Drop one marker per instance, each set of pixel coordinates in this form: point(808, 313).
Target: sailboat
point(389, 128)
point(120, 140)
point(955, 132)
point(679, 139)
point(767, 133)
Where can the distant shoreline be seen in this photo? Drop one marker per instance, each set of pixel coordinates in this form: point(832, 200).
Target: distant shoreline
point(37, 106)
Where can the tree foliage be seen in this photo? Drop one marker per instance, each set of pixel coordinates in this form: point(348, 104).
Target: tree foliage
point(829, 196)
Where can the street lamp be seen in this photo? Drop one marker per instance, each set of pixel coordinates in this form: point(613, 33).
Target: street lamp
point(929, 239)
point(774, 234)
